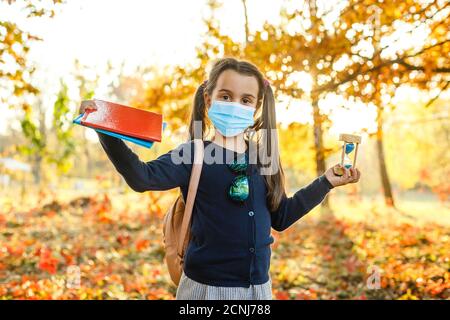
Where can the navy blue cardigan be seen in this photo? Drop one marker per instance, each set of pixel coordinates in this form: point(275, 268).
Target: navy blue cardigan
point(230, 244)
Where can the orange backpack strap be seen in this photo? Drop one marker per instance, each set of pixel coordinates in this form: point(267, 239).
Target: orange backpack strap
point(192, 191)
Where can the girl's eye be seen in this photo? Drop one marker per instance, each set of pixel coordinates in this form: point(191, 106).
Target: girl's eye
point(246, 101)
point(224, 97)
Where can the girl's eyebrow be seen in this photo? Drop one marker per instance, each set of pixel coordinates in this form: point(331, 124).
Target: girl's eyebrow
point(229, 91)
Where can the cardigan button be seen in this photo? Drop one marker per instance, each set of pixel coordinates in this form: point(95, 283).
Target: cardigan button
point(251, 213)
point(252, 250)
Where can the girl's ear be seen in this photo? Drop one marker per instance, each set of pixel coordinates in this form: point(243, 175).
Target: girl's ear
point(207, 99)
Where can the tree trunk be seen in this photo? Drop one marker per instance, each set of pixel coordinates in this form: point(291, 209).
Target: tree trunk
point(385, 182)
point(38, 160)
point(244, 3)
point(37, 167)
point(318, 144)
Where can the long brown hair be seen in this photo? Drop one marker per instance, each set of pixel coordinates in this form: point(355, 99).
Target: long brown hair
point(264, 125)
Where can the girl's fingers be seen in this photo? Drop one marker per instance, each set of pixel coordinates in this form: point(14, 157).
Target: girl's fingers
point(351, 175)
point(346, 174)
point(354, 174)
point(87, 104)
point(91, 105)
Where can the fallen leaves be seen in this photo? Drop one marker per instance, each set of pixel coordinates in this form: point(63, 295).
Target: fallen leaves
point(47, 262)
point(107, 248)
point(338, 259)
point(87, 249)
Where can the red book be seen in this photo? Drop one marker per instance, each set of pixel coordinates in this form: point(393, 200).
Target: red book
point(124, 120)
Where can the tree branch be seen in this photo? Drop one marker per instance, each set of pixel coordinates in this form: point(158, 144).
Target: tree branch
point(429, 103)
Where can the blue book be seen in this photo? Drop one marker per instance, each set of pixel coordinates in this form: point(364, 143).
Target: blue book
point(144, 143)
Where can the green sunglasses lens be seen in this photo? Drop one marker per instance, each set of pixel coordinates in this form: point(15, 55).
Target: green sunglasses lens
point(239, 189)
point(239, 165)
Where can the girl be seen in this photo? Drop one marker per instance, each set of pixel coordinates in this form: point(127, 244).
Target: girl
point(238, 199)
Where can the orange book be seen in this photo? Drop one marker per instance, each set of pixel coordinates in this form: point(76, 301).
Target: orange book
point(124, 120)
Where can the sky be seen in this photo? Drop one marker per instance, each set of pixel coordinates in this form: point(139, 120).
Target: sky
point(137, 32)
point(148, 32)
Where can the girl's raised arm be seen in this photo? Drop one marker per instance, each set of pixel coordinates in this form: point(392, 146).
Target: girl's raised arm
point(304, 200)
point(161, 173)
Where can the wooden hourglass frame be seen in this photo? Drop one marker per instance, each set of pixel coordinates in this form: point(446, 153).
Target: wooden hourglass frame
point(347, 138)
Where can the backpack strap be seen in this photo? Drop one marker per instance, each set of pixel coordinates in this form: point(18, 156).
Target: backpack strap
point(192, 191)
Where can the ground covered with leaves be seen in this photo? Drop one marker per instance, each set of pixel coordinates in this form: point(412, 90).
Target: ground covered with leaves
point(87, 248)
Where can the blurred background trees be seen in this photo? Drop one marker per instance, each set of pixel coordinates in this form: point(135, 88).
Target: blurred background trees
point(323, 58)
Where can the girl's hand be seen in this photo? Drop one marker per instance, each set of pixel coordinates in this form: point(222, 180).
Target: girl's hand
point(87, 104)
point(351, 175)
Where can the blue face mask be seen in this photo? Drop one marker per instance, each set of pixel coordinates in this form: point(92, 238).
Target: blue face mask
point(230, 118)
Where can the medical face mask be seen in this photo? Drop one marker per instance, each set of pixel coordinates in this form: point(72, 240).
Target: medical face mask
point(230, 118)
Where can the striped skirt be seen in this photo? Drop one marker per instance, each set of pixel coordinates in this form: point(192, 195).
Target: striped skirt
point(189, 289)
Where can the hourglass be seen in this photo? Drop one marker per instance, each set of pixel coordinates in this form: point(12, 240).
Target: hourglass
point(349, 145)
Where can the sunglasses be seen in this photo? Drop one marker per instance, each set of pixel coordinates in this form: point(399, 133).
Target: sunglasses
point(239, 188)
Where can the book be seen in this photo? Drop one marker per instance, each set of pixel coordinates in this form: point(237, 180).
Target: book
point(125, 120)
point(141, 142)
